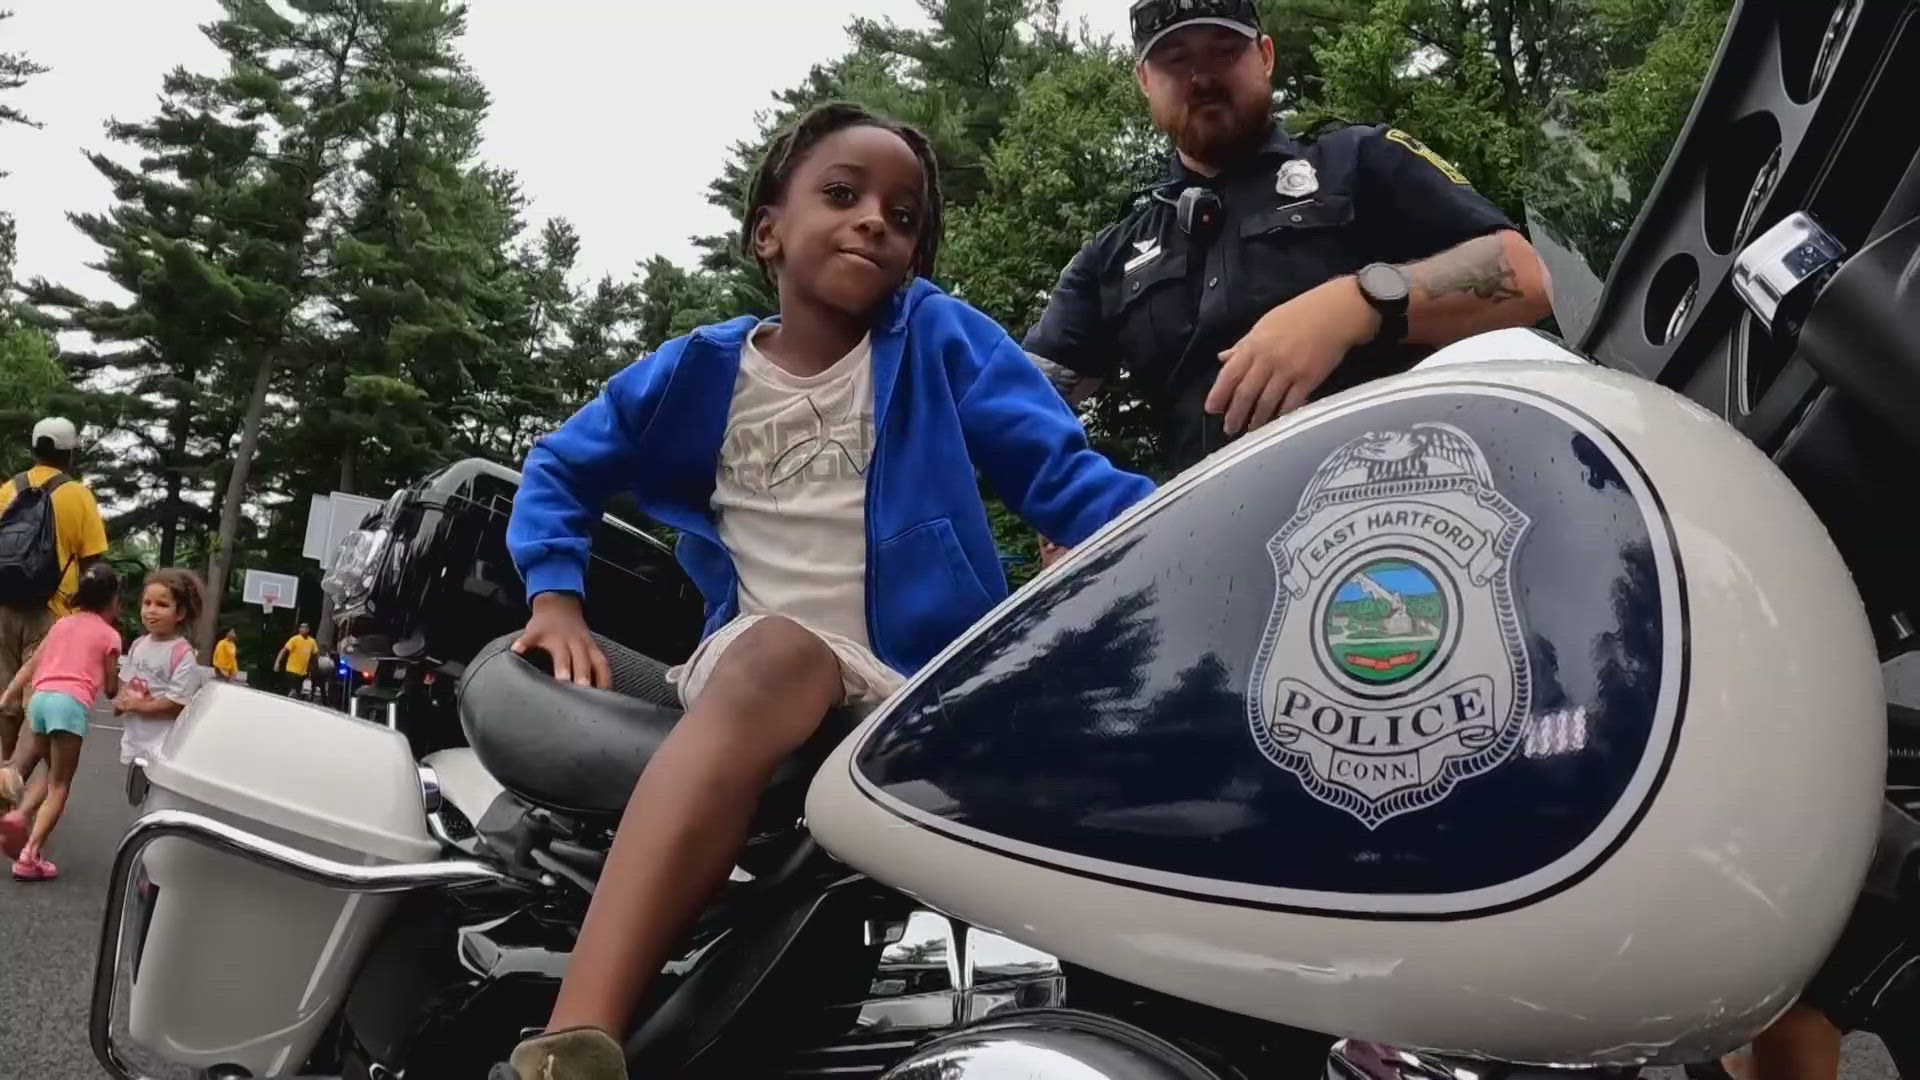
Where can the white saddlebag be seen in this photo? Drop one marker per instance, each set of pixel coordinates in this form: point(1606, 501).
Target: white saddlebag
point(243, 965)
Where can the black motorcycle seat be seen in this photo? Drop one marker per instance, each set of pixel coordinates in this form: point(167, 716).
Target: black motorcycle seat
point(579, 750)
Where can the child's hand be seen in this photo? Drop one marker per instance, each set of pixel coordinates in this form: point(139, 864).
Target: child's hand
point(129, 701)
point(560, 630)
point(1050, 552)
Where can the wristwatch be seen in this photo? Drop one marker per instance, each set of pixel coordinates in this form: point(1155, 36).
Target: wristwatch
point(1386, 288)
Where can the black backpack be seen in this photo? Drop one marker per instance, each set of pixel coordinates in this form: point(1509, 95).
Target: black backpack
point(30, 568)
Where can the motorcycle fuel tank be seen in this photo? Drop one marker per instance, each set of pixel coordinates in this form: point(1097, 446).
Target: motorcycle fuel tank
point(1512, 709)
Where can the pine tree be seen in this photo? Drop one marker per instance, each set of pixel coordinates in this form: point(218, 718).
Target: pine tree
point(161, 380)
point(30, 376)
point(522, 301)
point(957, 80)
point(15, 69)
point(412, 261)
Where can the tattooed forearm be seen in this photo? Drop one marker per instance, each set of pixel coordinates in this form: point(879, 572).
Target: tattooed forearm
point(1484, 284)
point(1476, 268)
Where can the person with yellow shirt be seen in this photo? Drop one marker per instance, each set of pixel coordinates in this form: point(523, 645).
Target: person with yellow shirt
point(79, 539)
point(226, 656)
point(294, 658)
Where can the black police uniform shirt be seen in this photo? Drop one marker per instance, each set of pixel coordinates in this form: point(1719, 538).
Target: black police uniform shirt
point(1146, 298)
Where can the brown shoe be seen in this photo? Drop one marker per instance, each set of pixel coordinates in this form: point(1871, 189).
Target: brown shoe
point(580, 1053)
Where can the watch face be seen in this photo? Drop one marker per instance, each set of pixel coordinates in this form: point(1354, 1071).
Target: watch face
point(1383, 282)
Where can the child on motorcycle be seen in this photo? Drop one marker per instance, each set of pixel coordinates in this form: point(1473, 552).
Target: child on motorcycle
point(72, 666)
point(821, 468)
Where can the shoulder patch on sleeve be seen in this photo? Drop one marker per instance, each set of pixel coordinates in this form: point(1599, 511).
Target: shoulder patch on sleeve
point(1419, 149)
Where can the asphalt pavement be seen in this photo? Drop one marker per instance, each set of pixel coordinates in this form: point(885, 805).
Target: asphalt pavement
point(49, 933)
point(49, 930)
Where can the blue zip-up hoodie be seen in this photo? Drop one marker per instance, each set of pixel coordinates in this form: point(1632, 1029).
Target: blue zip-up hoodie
point(951, 392)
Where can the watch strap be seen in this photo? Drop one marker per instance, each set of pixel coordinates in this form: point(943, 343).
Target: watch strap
point(1393, 312)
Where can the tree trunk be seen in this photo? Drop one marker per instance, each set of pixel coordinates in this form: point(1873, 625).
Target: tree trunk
point(170, 522)
point(221, 562)
point(174, 462)
point(221, 565)
point(1500, 17)
point(171, 512)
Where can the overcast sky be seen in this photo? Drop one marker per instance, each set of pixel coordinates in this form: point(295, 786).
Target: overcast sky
point(615, 113)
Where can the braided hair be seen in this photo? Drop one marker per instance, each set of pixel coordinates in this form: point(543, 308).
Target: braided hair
point(790, 147)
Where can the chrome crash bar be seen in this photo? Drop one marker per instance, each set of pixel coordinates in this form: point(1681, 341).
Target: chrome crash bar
point(184, 825)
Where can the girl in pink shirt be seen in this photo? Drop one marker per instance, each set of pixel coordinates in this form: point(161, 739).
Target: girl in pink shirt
point(74, 665)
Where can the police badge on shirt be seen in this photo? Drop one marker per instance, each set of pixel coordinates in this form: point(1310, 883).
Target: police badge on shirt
point(1296, 179)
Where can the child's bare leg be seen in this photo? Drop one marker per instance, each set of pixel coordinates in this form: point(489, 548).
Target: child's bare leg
point(63, 760)
point(27, 753)
point(690, 812)
point(1802, 1045)
point(14, 791)
point(36, 795)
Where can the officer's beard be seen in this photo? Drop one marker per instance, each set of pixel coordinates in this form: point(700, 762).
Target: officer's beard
point(1214, 124)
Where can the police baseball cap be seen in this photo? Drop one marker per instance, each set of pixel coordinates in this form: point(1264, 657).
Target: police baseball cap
point(1155, 19)
point(57, 430)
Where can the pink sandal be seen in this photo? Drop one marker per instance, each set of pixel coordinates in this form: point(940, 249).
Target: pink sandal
point(37, 870)
point(13, 834)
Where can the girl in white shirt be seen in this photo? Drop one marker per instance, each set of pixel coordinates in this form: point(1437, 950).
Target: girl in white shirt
point(160, 671)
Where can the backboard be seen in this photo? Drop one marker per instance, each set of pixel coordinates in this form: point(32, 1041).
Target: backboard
point(329, 519)
point(271, 590)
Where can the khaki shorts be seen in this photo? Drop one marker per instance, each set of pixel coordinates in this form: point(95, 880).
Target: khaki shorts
point(21, 631)
point(863, 678)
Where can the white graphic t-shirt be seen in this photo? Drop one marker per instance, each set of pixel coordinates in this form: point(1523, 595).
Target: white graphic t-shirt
point(791, 495)
point(159, 669)
point(791, 504)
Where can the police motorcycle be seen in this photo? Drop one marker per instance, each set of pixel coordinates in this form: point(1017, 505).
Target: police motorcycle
point(1517, 715)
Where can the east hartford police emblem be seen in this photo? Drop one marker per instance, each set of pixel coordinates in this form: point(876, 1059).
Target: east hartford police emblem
point(1394, 665)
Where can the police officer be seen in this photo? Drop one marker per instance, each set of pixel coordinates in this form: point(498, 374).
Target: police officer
point(1264, 269)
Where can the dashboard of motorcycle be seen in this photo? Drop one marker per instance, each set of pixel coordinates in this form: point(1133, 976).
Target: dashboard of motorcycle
point(1512, 709)
point(1808, 110)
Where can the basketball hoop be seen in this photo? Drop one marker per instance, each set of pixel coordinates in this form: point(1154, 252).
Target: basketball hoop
point(271, 590)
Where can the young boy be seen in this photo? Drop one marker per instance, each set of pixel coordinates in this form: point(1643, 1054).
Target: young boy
point(821, 469)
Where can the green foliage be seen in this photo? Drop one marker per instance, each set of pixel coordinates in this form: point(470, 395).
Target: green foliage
point(30, 376)
point(1061, 169)
point(15, 69)
point(1066, 159)
point(1372, 609)
point(1375, 70)
point(327, 288)
point(1565, 110)
point(671, 301)
point(1634, 120)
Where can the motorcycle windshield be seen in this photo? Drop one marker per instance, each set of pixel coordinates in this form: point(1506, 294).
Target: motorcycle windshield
point(1575, 218)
